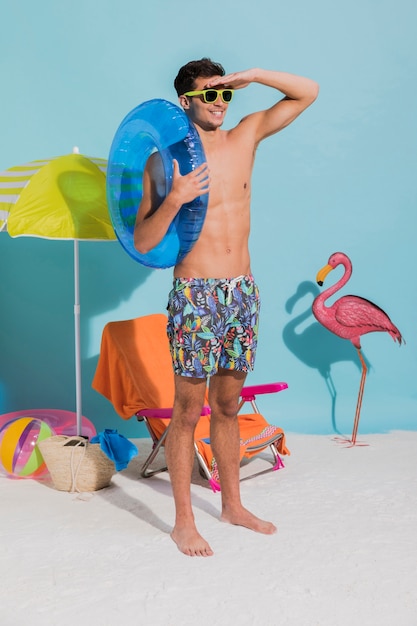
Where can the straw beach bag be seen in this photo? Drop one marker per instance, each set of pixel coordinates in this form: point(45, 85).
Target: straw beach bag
point(75, 464)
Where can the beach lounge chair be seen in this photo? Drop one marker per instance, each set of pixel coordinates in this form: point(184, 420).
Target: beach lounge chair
point(134, 372)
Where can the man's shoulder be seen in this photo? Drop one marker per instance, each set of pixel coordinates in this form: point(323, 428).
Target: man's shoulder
point(246, 127)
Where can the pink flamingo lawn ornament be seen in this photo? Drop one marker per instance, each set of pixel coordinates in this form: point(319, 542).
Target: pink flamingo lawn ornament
point(350, 317)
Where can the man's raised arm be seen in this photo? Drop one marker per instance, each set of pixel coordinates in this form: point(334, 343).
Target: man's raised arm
point(299, 93)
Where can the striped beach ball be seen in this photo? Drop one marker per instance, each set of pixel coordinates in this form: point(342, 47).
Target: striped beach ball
point(19, 454)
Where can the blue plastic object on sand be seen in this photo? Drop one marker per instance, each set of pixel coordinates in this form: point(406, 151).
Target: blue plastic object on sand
point(119, 449)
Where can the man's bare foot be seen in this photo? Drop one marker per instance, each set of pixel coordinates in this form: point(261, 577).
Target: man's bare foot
point(190, 542)
point(242, 517)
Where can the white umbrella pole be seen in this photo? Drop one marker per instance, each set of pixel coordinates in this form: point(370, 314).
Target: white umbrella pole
point(78, 391)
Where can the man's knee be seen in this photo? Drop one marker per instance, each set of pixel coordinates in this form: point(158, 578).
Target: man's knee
point(186, 414)
point(189, 399)
point(224, 404)
point(224, 391)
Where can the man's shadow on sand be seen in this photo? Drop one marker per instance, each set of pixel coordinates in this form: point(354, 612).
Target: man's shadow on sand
point(117, 496)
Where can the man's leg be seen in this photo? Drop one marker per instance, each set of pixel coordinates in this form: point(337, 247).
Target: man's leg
point(179, 453)
point(224, 392)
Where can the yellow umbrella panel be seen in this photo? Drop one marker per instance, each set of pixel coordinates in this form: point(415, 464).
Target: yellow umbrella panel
point(59, 198)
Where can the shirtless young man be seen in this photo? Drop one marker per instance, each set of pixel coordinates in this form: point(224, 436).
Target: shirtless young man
point(215, 278)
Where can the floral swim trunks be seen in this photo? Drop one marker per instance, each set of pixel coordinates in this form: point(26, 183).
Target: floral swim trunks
point(212, 323)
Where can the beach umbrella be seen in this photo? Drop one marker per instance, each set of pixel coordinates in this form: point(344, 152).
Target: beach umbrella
point(59, 198)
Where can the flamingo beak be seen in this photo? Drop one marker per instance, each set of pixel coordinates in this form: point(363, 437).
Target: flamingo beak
point(321, 274)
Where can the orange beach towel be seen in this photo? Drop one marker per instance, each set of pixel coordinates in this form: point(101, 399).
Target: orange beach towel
point(134, 370)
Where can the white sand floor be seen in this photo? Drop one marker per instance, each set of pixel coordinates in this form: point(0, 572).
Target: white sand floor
point(345, 553)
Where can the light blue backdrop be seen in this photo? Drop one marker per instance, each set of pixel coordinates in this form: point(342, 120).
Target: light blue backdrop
point(342, 177)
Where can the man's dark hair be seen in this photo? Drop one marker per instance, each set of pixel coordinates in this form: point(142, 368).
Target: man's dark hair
point(188, 73)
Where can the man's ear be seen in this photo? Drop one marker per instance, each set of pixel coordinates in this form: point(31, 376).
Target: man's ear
point(184, 102)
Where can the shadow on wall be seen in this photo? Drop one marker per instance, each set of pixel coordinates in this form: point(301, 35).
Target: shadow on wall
point(314, 345)
point(37, 359)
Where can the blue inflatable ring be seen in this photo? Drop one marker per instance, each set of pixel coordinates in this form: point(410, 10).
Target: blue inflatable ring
point(155, 125)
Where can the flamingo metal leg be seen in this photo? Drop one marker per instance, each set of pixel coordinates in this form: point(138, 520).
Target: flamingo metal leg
point(360, 396)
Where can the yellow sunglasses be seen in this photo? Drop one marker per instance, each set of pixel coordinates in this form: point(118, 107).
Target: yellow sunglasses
point(211, 95)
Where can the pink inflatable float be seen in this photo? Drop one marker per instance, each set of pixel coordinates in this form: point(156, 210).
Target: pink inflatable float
point(61, 422)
